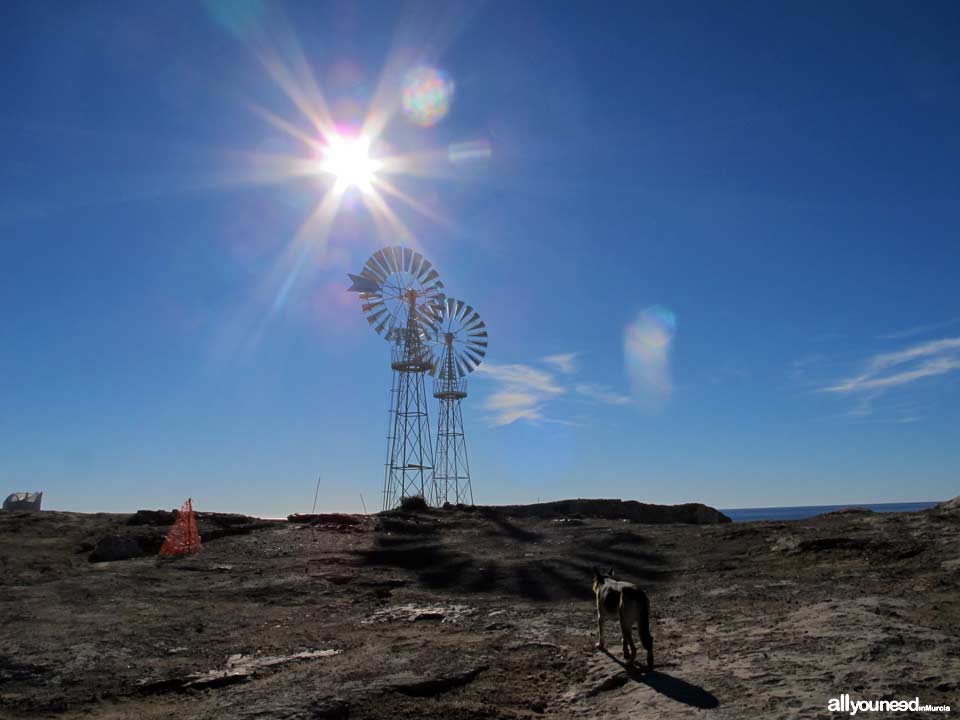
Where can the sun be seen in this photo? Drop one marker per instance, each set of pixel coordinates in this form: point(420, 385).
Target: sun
point(348, 160)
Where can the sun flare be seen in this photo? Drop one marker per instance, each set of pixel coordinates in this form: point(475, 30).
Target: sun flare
point(348, 160)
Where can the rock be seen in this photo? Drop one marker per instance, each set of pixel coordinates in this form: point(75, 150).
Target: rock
point(791, 545)
point(326, 708)
point(415, 613)
point(329, 708)
point(437, 685)
point(949, 506)
point(153, 517)
point(833, 543)
point(339, 522)
point(689, 513)
point(239, 668)
point(116, 547)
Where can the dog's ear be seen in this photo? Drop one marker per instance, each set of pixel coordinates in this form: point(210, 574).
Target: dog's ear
point(610, 572)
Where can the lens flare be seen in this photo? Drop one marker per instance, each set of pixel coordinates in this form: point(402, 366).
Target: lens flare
point(647, 344)
point(427, 95)
point(471, 151)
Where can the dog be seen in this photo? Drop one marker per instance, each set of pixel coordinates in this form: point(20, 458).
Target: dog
point(627, 603)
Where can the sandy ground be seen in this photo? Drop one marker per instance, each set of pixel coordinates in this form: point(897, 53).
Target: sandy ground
point(457, 615)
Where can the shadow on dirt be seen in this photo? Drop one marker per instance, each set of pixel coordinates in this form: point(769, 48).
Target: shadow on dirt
point(677, 689)
point(672, 687)
point(510, 559)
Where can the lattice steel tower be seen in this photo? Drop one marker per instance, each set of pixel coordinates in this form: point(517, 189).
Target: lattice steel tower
point(400, 290)
point(458, 339)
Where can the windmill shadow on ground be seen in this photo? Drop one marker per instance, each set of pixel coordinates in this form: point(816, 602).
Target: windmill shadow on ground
point(522, 562)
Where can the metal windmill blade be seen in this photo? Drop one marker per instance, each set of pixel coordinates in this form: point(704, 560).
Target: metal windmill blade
point(394, 280)
point(457, 345)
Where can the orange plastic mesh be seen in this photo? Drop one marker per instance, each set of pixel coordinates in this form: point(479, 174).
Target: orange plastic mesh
point(183, 538)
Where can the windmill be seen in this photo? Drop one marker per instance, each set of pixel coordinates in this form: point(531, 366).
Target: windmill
point(399, 292)
point(458, 342)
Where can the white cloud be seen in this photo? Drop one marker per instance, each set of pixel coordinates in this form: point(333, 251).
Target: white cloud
point(522, 376)
point(603, 394)
point(523, 392)
point(647, 347)
point(918, 330)
point(562, 362)
point(888, 371)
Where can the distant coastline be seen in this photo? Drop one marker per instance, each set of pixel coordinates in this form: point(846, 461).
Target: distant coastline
point(800, 512)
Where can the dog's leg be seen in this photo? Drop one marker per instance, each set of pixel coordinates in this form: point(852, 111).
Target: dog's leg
point(629, 647)
point(599, 624)
point(643, 625)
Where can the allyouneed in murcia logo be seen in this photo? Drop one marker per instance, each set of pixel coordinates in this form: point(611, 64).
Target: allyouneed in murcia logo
point(846, 704)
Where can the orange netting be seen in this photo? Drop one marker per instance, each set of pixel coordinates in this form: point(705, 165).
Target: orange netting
point(183, 537)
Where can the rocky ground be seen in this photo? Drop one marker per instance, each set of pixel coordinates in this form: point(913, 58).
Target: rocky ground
point(472, 615)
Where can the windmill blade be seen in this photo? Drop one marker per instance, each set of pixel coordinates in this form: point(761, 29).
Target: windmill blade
point(398, 258)
point(431, 276)
point(374, 269)
point(425, 267)
point(372, 273)
point(371, 306)
point(460, 367)
point(478, 343)
point(476, 316)
point(415, 264)
point(383, 257)
point(479, 334)
point(379, 261)
point(425, 315)
point(373, 317)
point(476, 359)
point(391, 255)
point(407, 259)
point(466, 311)
point(425, 311)
point(479, 326)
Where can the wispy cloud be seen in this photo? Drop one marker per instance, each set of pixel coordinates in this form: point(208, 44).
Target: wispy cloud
point(647, 347)
point(523, 376)
point(800, 367)
point(562, 362)
point(919, 330)
point(523, 392)
point(888, 371)
point(602, 394)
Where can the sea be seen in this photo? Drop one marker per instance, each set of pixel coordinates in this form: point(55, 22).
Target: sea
point(804, 511)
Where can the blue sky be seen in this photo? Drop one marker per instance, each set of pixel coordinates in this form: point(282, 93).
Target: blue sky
point(715, 246)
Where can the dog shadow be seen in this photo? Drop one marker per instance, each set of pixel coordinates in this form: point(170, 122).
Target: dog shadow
point(672, 687)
